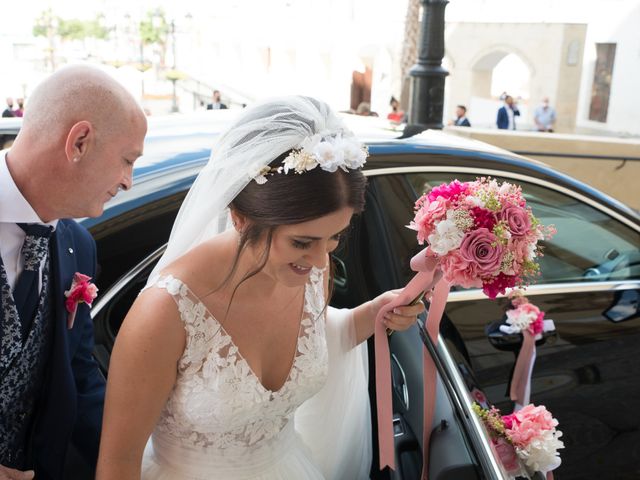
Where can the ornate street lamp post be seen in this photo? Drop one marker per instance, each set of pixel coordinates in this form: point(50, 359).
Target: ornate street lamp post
point(428, 75)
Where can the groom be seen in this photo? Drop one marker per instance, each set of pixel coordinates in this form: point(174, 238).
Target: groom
point(81, 133)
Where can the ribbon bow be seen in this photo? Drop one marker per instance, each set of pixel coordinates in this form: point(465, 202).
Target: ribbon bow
point(428, 277)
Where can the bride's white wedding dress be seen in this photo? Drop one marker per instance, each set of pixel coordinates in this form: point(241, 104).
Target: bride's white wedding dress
point(220, 422)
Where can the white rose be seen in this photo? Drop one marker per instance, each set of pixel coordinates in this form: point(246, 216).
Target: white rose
point(329, 157)
point(446, 237)
point(531, 251)
point(354, 155)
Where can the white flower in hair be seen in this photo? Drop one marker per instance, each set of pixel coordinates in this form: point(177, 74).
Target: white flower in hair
point(355, 155)
point(329, 153)
point(329, 157)
point(300, 162)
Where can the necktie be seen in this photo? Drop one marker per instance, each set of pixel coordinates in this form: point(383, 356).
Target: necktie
point(26, 292)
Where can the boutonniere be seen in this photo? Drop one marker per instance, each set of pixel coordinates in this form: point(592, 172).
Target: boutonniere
point(81, 290)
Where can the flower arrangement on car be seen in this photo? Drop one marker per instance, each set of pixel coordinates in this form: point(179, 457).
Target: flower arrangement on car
point(529, 434)
point(480, 234)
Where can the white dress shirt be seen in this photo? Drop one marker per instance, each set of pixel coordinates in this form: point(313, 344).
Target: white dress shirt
point(14, 209)
point(510, 116)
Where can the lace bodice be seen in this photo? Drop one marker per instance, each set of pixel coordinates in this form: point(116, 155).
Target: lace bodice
point(218, 402)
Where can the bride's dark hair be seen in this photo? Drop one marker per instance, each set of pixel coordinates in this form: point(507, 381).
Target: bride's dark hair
point(287, 199)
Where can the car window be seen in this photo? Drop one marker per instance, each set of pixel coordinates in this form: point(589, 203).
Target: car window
point(589, 244)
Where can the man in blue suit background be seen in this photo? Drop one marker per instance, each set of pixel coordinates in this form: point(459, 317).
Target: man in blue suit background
point(507, 114)
point(81, 133)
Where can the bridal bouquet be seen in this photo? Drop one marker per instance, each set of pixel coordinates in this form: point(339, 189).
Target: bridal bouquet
point(482, 232)
point(530, 432)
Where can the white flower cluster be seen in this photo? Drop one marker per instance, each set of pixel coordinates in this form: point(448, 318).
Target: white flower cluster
point(520, 320)
point(447, 235)
point(542, 453)
point(328, 153)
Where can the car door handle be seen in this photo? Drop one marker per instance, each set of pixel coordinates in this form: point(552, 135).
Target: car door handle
point(511, 342)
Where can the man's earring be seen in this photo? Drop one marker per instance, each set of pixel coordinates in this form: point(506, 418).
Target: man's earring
point(76, 159)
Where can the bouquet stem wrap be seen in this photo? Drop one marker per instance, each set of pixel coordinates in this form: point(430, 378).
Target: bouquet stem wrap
point(428, 277)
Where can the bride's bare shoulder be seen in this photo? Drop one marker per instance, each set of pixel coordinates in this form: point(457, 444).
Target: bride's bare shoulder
point(205, 267)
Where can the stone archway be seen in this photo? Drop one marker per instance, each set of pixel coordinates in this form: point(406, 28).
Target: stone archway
point(502, 70)
point(479, 47)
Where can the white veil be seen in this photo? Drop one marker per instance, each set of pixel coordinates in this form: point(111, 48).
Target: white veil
point(335, 423)
point(256, 138)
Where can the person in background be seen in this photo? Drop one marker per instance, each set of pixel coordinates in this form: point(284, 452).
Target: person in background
point(217, 103)
point(364, 110)
point(545, 116)
point(395, 115)
point(18, 112)
point(461, 117)
point(8, 112)
point(507, 114)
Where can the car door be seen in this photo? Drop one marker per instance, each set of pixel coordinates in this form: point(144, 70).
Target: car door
point(586, 374)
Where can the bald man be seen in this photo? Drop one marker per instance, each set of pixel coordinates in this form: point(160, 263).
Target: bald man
point(81, 134)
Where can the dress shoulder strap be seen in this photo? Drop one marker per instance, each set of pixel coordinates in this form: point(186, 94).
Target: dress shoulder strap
point(200, 326)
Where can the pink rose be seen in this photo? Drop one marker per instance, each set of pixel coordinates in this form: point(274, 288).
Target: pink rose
point(458, 271)
point(481, 248)
point(531, 422)
point(517, 219)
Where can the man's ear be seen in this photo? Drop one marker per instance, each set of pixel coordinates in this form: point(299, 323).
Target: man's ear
point(78, 140)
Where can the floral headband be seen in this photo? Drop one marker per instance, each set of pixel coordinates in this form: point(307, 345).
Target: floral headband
point(329, 153)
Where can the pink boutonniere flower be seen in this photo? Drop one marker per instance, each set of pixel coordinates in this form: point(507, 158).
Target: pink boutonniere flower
point(81, 290)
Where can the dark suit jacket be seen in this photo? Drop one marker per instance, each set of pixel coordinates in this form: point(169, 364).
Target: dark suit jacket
point(503, 118)
point(462, 123)
point(70, 410)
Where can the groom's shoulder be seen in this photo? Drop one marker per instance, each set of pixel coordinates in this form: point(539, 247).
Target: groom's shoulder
point(79, 233)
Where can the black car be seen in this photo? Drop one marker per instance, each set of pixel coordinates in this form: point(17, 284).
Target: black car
point(586, 372)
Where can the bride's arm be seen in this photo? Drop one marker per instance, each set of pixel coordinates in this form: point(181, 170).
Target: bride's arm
point(142, 372)
point(363, 317)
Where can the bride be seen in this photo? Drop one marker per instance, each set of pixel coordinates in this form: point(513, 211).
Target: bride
point(230, 364)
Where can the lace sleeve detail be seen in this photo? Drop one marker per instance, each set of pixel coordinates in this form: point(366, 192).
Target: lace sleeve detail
point(200, 328)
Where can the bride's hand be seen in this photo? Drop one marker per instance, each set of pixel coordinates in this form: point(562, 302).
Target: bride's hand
point(400, 318)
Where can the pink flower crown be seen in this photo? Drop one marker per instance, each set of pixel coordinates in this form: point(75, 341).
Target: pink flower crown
point(328, 153)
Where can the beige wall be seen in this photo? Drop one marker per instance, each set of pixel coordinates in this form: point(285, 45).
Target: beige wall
point(617, 178)
point(476, 48)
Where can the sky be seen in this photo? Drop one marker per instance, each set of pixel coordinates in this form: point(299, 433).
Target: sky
point(374, 12)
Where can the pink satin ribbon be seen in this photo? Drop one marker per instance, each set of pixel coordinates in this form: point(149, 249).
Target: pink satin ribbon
point(428, 277)
point(521, 379)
